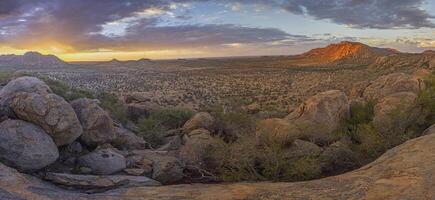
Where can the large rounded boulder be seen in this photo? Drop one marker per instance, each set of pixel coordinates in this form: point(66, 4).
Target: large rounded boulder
point(199, 120)
point(127, 140)
point(25, 146)
point(103, 161)
point(393, 83)
point(22, 84)
point(394, 113)
point(196, 146)
point(51, 112)
point(321, 115)
point(98, 127)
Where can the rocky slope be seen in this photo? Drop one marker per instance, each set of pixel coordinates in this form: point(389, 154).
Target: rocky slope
point(404, 172)
point(81, 153)
point(348, 52)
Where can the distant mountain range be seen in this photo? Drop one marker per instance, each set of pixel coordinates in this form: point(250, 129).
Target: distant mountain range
point(31, 59)
point(343, 53)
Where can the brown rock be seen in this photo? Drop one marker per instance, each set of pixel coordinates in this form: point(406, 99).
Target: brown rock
point(276, 130)
point(394, 113)
point(404, 172)
point(321, 115)
point(98, 127)
point(196, 145)
point(51, 112)
point(393, 83)
point(199, 120)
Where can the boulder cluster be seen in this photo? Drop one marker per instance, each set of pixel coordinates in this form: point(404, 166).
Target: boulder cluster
point(311, 129)
point(78, 145)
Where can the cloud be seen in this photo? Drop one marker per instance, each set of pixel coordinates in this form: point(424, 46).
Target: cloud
point(87, 25)
point(120, 25)
point(378, 14)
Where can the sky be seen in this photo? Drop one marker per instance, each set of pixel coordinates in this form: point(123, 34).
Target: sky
point(96, 30)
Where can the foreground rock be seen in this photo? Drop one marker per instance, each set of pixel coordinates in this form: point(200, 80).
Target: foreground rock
point(405, 172)
point(99, 183)
point(51, 112)
point(200, 120)
point(103, 161)
point(321, 115)
point(25, 146)
point(276, 129)
point(166, 168)
point(393, 83)
point(196, 146)
point(97, 125)
point(127, 140)
point(394, 113)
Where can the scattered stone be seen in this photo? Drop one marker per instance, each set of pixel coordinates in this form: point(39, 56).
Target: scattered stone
point(276, 130)
point(393, 83)
point(127, 140)
point(166, 168)
point(135, 171)
point(196, 146)
point(200, 120)
point(98, 127)
point(99, 183)
point(51, 112)
point(337, 158)
point(300, 149)
point(26, 146)
point(103, 161)
point(171, 143)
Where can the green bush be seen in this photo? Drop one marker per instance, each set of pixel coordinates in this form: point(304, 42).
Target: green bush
point(5, 76)
point(172, 118)
point(151, 130)
point(154, 127)
point(244, 160)
point(112, 104)
point(67, 92)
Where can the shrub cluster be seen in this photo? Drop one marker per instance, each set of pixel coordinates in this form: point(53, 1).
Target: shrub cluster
point(154, 127)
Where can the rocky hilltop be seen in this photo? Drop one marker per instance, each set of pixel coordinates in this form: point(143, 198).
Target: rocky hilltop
point(348, 51)
point(31, 59)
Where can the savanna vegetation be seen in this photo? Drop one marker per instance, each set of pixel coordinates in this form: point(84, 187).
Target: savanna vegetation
point(236, 154)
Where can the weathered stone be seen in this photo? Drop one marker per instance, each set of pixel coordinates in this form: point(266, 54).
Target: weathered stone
point(199, 120)
point(276, 130)
point(171, 143)
point(90, 182)
point(22, 84)
point(166, 168)
point(302, 149)
point(26, 146)
point(338, 157)
point(393, 83)
point(196, 145)
point(98, 127)
point(51, 112)
point(321, 115)
point(404, 172)
point(103, 161)
point(127, 140)
point(135, 171)
point(394, 113)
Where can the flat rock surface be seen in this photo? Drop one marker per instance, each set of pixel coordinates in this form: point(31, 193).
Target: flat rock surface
point(405, 172)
